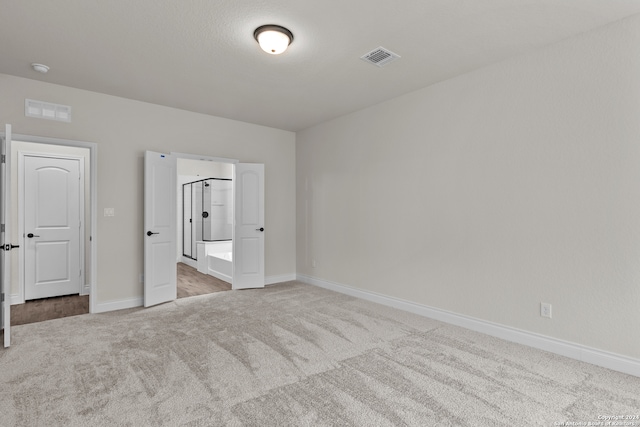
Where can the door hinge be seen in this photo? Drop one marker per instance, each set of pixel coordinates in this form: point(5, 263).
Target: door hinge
point(1, 228)
point(3, 159)
point(2, 297)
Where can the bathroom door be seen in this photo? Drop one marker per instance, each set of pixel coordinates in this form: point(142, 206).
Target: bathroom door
point(160, 239)
point(248, 226)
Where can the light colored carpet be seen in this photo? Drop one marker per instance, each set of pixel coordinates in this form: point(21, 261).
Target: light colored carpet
point(290, 355)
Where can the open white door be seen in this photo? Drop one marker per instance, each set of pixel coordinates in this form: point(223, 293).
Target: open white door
point(160, 269)
point(5, 240)
point(248, 227)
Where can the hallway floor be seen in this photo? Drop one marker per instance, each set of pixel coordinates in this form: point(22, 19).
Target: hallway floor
point(190, 283)
point(38, 310)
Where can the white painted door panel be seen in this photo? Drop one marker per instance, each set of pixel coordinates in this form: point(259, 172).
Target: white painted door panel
point(4, 256)
point(248, 231)
point(52, 226)
point(160, 269)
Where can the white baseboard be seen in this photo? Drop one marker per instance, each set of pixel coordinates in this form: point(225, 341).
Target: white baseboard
point(220, 276)
point(272, 280)
point(580, 352)
point(86, 289)
point(189, 261)
point(103, 307)
point(16, 299)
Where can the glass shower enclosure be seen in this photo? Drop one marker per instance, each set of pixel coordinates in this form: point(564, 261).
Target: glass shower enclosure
point(207, 213)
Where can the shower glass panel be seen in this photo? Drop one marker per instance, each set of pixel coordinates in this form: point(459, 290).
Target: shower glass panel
point(196, 228)
point(186, 221)
point(207, 211)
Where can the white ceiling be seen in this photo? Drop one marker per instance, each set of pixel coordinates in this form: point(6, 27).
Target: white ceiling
point(200, 55)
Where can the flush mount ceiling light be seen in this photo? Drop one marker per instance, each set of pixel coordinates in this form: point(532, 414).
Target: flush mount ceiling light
point(41, 68)
point(273, 39)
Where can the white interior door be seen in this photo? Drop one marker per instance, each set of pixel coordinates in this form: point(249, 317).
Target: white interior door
point(160, 239)
point(248, 229)
point(5, 238)
point(52, 224)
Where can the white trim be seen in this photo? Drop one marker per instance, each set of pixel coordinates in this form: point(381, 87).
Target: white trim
point(272, 280)
point(189, 261)
point(5, 218)
point(86, 289)
point(203, 158)
point(613, 361)
point(93, 161)
point(17, 299)
point(103, 307)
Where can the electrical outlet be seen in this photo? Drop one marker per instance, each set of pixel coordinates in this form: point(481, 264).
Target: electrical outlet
point(313, 263)
point(545, 310)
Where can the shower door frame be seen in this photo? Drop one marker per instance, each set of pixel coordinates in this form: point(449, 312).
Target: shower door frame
point(191, 216)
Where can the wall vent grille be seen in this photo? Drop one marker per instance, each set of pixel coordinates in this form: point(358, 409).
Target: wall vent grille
point(380, 57)
point(47, 110)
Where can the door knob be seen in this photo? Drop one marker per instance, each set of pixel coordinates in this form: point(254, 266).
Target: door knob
point(30, 235)
point(149, 233)
point(260, 229)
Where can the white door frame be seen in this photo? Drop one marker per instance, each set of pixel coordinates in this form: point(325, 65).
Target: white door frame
point(203, 158)
point(5, 274)
point(21, 200)
point(93, 161)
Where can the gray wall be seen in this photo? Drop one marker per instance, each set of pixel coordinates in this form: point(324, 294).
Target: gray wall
point(489, 193)
point(123, 130)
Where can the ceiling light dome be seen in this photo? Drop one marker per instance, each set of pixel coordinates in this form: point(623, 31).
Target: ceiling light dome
point(41, 68)
point(273, 39)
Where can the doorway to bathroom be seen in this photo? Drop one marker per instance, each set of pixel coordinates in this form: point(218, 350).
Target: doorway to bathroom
point(161, 240)
point(205, 227)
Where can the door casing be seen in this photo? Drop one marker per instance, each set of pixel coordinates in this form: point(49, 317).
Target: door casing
point(5, 301)
point(203, 158)
point(93, 195)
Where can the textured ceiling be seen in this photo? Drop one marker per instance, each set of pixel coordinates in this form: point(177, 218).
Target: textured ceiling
point(200, 55)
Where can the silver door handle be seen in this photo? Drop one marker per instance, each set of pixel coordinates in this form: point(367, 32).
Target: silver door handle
point(30, 235)
point(260, 229)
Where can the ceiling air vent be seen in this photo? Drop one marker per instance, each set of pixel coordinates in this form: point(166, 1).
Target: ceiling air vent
point(47, 110)
point(380, 57)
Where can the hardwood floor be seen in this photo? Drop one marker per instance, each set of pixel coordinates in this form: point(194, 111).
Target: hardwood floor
point(38, 310)
point(190, 283)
